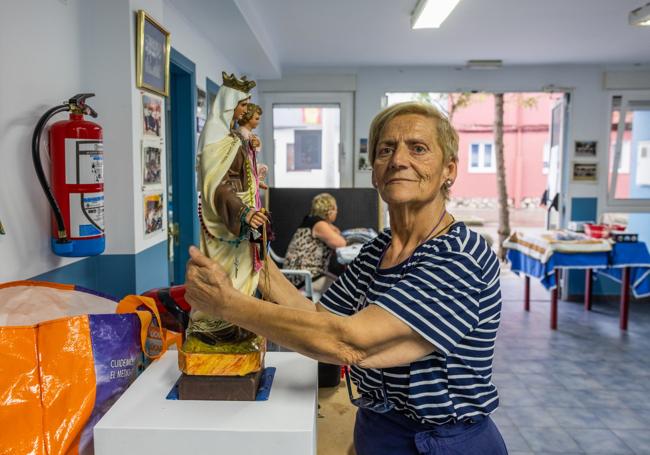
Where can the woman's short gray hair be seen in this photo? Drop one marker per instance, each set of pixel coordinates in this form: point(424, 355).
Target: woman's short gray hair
point(445, 132)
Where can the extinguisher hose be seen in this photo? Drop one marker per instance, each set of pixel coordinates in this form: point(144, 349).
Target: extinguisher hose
point(38, 167)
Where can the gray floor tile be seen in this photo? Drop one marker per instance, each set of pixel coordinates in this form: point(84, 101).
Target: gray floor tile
point(501, 419)
point(552, 440)
point(600, 441)
point(578, 381)
point(635, 399)
point(622, 419)
point(538, 379)
point(528, 368)
point(556, 396)
point(517, 397)
point(513, 439)
point(638, 440)
point(600, 398)
point(531, 416)
point(575, 417)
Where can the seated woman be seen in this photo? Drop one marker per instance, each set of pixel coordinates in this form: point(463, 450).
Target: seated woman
point(312, 245)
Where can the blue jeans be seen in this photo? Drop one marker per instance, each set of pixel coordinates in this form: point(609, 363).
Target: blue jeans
point(395, 434)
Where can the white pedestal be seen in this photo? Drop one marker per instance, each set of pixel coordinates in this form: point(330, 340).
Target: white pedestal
point(144, 421)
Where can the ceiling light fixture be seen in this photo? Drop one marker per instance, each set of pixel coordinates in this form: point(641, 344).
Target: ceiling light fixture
point(640, 16)
point(484, 64)
point(431, 13)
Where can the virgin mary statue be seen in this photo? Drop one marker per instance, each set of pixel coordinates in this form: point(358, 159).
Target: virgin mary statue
point(229, 190)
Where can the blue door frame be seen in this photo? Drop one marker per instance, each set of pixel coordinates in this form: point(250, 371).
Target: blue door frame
point(183, 146)
point(211, 88)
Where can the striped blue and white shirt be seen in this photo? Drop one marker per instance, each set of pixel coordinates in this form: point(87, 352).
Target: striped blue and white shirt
point(449, 292)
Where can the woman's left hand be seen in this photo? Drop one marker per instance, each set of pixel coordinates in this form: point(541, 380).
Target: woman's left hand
point(207, 285)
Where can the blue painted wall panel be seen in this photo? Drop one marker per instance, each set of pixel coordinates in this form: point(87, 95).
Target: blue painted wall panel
point(116, 274)
point(152, 268)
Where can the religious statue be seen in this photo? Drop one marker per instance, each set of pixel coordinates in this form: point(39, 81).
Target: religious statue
point(233, 231)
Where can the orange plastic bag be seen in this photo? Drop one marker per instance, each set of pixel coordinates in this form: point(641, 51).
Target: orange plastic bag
point(59, 377)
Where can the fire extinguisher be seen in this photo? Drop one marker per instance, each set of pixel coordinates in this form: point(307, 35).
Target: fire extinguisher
point(76, 195)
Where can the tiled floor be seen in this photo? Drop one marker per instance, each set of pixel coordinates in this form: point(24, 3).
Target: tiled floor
point(584, 388)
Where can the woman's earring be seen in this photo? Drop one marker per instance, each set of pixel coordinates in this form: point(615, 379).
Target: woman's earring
point(448, 183)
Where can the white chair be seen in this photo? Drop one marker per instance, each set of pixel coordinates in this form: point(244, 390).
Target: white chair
point(308, 289)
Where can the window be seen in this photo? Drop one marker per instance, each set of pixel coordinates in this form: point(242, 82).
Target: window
point(481, 157)
point(307, 145)
point(628, 163)
point(624, 163)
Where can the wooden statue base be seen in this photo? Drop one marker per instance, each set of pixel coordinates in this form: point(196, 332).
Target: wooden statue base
point(225, 388)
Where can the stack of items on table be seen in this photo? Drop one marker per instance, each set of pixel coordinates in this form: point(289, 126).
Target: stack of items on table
point(543, 246)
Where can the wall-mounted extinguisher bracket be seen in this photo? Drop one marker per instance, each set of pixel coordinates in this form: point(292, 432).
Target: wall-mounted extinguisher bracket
point(75, 191)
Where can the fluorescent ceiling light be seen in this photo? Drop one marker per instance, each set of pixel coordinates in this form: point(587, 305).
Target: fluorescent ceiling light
point(431, 13)
point(484, 64)
point(640, 16)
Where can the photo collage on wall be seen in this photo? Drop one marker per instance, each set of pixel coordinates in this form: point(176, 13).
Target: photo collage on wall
point(585, 168)
point(153, 49)
point(152, 158)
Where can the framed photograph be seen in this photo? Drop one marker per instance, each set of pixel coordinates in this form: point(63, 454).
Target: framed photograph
point(364, 158)
point(153, 213)
point(307, 153)
point(152, 55)
point(585, 172)
point(152, 115)
point(151, 163)
point(585, 149)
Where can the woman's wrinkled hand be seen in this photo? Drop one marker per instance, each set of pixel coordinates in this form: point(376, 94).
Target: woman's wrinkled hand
point(207, 285)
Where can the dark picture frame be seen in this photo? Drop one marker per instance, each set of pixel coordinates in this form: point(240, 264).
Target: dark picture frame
point(585, 149)
point(585, 172)
point(307, 150)
point(152, 114)
point(153, 48)
point(151, 163)
point(153, 213)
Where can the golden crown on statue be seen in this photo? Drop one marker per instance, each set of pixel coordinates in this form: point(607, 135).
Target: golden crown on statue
point(242, 85)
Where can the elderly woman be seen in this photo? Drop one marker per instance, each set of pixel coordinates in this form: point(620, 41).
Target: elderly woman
point(415, 315)
point(312, 244)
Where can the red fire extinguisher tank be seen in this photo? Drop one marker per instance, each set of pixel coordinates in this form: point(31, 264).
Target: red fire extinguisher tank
point(77, 179)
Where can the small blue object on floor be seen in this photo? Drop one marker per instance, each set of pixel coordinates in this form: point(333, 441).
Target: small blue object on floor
point(263, 392)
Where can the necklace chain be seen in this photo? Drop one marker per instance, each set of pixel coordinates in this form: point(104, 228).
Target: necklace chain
point(431, 233)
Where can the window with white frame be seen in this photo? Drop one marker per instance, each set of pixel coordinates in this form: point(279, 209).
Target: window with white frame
point(481, 157)
point(628, 174)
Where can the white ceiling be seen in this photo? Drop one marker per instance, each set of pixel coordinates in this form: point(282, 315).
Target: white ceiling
point(353, 33)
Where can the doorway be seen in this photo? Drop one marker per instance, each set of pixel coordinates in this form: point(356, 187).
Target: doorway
point(311, 139)
point(182, 202)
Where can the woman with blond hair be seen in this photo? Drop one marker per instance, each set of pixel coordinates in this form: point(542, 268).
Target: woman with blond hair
point(314, 241)
point(415, 315)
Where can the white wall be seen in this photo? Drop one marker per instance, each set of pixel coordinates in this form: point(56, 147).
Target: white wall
point(51, 50)
point(106, 67)
point(195, 45)
point(40, 68)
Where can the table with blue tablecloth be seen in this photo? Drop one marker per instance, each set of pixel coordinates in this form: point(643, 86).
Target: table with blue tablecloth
point(627, 263)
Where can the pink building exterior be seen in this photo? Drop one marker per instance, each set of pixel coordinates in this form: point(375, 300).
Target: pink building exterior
point(526, 136)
